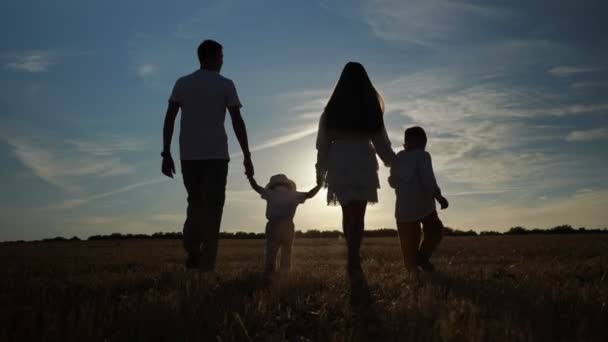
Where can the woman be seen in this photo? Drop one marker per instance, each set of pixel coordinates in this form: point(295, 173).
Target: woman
point(351, 132)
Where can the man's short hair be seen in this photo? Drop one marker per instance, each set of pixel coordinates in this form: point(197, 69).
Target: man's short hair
point(208, 49)
point(415, 137)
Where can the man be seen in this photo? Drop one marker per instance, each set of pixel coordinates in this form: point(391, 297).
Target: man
point(203, 97)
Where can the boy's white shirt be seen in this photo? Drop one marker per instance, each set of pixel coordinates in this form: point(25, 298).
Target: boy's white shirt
point(415, 185)
point(203, 97)
point(281, 203)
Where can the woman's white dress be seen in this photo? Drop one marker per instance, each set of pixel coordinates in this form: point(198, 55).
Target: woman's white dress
point(349, 160)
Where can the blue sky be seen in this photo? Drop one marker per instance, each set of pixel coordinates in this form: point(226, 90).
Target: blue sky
point(511, 93)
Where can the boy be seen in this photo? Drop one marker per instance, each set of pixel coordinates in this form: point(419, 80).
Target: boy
point(282, 199)
point(414, 182)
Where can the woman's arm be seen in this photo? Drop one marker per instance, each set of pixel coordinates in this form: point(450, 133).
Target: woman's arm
point(312, 192)
point(382, 144)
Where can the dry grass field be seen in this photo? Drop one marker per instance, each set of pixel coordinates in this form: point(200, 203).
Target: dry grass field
point(493, 288)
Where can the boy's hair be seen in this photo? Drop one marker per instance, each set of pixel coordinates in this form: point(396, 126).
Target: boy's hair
point(415, 137)
point(208, 49)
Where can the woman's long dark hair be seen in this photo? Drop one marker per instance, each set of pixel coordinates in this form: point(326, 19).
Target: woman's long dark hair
point(355, 105)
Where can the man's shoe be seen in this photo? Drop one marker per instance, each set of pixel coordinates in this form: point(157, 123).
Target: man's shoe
point(425, 265)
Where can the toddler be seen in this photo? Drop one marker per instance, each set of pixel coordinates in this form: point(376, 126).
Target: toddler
point(281, 202)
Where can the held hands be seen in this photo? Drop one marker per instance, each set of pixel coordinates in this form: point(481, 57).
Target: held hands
point(443, 202)
point(168, 166)
point(248, 164)
point(392, 182)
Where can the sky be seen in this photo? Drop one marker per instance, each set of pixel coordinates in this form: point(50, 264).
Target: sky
point(512, 95)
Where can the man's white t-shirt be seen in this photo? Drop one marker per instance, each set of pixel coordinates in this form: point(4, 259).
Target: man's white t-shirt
point(203, 97)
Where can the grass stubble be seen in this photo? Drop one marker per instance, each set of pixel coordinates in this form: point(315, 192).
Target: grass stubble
point(494, 288)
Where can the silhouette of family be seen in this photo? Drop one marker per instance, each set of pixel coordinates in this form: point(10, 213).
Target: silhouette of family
point(351, 133)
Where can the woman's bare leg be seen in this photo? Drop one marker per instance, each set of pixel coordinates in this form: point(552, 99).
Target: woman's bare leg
point(353, 225)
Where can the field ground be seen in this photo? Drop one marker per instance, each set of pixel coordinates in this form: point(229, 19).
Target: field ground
point(494, 288)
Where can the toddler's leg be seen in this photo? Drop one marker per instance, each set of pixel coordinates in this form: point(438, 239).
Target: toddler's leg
point(409, 238)
point(272, 248)
point(286, 244)
point(433, 232)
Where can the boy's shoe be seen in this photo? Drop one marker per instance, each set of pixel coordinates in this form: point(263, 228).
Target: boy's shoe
point(193, 261)
point(425, 265)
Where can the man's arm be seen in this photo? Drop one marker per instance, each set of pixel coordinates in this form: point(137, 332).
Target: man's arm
point(172, 110)
point(238, 124)
point(168, 166)
point(255, 185)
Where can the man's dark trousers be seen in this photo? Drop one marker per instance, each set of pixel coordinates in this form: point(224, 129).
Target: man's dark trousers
point(205, 182)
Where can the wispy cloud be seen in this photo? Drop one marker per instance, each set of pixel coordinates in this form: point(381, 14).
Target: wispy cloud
point(565, 70)
point(480, 139)
point(76, 202)
point(589, 84)
point(280, 140)
point(475, 193)
point(592, 134)
point(190, 27)
point(302, 105)
point(428, 23)
point(57, 167)
point(113, 145)
point(37, 61)
point(572, 109)
point(33, 61)
point(64, 163)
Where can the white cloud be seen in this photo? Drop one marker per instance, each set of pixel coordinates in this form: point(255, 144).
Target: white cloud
point(478, 135)
point(437, 95)
point(428, 23)
point(146, 70)
point(565, 70)
point(592, 134)
point(34, 61)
